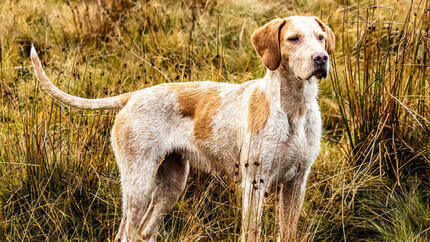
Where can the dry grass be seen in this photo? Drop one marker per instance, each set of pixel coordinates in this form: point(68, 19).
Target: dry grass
point(58, 178)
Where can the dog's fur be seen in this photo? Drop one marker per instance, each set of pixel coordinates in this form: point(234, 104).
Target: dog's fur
point(261, 132)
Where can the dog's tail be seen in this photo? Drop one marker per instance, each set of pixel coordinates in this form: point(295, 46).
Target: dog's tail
point(116, 102)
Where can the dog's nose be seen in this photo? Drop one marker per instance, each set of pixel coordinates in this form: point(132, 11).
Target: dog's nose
point(320, 58)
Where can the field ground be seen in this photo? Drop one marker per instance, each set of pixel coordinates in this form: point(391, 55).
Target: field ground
point(58, 177)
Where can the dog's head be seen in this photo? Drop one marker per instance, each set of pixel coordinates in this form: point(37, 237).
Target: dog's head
point(298, 44)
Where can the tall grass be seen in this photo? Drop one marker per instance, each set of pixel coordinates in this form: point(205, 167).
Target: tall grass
point(380, 83)
point(382, 87)
point(58, 177)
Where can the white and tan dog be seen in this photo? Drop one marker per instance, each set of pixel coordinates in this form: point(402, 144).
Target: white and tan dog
point(263, 131)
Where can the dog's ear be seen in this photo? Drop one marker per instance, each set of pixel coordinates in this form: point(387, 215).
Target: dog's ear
point(330, 41)
point(266, 41)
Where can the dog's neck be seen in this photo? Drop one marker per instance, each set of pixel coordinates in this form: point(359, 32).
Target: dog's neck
point(294, 94)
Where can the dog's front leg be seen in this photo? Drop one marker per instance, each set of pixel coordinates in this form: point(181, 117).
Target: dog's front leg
point(291, 195)
point(253, 197)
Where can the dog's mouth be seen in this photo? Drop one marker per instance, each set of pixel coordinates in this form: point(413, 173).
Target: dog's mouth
point(319, 72)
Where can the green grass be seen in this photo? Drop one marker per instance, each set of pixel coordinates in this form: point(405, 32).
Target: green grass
point(58, 177)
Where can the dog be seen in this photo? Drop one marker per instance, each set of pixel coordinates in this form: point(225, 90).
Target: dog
point(262, 132)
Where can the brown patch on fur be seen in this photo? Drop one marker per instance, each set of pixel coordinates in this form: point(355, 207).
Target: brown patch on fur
point(330, 40)
point(123, 99)
point(266, 41)
point(123, 134)
point(258, 111)
point(287, 27)
point(198, 104)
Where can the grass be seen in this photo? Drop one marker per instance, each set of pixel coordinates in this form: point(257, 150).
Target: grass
point(58, 177)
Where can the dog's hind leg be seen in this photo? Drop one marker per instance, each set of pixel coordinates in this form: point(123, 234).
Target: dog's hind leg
point(171, 179)
point(150, 191)
point(138, 177)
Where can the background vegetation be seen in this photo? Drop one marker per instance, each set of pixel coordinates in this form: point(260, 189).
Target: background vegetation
point(58, 177)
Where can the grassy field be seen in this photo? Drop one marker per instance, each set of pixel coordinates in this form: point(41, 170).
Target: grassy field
point(58, 177)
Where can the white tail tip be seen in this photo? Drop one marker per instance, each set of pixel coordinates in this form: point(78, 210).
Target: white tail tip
point(33, 52)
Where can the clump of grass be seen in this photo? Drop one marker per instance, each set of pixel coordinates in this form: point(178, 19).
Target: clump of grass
point(382, 87)
point(58, 178)
point(380, 81)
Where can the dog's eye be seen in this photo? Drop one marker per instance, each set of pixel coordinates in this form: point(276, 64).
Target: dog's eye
point(294, 39)
point(321, 37)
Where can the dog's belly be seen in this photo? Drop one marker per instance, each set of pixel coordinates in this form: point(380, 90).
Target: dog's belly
point(208, 160)
point(220, 153)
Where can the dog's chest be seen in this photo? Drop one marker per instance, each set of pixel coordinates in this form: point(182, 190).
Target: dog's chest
point(300, 146)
